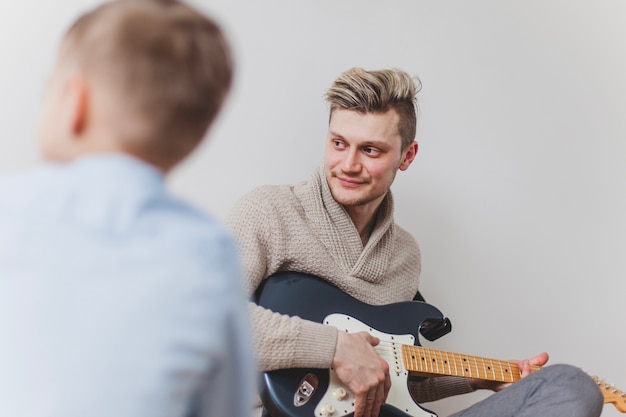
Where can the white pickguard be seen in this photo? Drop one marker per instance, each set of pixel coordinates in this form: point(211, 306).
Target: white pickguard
point(338, 401)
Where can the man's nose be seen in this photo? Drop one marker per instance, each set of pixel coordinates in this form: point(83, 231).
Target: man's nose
point(351, 162)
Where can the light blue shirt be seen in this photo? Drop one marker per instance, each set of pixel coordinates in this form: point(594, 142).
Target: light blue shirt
point(116, 299)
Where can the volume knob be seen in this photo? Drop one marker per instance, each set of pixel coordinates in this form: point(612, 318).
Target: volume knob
point(328, 410)
point(340, 393)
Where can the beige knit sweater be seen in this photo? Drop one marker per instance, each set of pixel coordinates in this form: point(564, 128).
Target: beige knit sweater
point(302, 228)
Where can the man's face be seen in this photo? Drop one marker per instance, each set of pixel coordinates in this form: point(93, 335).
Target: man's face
point(363, 154)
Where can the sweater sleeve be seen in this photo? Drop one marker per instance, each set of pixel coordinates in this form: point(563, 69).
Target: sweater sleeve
point(281, 341)
point(433, 389)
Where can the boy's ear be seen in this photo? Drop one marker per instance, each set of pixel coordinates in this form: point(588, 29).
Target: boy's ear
point(78, 104)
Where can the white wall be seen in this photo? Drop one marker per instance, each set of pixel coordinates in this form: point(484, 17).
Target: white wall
point(517, 196)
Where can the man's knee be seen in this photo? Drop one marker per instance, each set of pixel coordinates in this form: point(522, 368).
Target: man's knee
point(574, 383)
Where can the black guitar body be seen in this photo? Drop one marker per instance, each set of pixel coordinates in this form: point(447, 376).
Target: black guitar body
point(314, 299)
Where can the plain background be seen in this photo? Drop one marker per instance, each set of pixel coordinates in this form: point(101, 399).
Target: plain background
point(517, 196)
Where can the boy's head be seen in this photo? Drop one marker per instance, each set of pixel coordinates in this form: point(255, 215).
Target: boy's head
point(144, 77)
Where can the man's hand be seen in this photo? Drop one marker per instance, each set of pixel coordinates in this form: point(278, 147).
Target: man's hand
point(361, 368)
point(524, 366)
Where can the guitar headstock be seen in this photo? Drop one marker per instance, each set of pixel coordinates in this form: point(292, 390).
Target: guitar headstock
point(612, 394)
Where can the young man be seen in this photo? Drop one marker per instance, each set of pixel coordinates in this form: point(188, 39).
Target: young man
point(117, 299)
point(339, 226)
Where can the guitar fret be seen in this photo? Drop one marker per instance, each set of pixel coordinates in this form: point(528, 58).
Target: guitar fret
point(430, 361)
point(476, 365)
point(443, 362)
point(492, 369)
point(485, 370)
point(440, 362)
point(456, 366)
point(505, 372)
point(466, 368)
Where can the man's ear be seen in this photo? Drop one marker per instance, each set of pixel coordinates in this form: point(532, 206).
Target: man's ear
point(77, 105)
point(408, 156)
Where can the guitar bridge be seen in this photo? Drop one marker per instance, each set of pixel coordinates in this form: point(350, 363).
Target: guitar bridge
point(306, 388)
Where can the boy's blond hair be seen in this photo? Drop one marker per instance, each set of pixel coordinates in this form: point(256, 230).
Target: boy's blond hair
point(167, 65)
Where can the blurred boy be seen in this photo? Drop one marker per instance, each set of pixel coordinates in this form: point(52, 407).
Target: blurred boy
point(116, 299)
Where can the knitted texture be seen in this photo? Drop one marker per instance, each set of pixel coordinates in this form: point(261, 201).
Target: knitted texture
point(301, 228)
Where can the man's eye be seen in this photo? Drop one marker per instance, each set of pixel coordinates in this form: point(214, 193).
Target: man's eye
point(371, 151)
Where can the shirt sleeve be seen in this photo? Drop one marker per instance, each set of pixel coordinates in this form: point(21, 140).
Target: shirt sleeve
point(230, 384)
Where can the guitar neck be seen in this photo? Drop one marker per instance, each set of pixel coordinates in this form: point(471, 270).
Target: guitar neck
point(425, 361)
point(431, 362)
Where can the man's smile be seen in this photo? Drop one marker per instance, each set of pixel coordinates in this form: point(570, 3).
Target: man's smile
point(350, 183)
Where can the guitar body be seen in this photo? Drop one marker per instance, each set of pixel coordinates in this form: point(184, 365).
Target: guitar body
point(318, 392)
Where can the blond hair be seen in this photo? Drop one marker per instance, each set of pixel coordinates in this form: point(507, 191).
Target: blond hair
point(377, 92)
point(168, 66)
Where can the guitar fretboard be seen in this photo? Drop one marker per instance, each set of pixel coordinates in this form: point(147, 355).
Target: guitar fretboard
point(431, 362)
point(427, 361)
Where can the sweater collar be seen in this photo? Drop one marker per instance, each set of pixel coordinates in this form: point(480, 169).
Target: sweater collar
point(339, 235)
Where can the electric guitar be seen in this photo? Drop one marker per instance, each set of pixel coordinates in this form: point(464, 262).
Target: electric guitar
point(319, 392)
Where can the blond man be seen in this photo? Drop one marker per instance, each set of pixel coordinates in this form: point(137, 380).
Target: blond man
point(339, 226)
point(117, 299)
